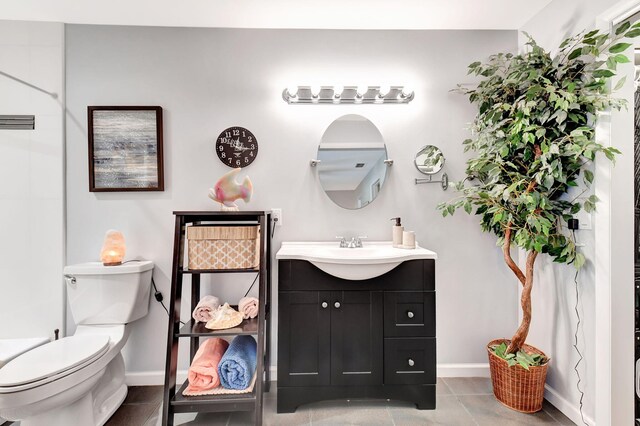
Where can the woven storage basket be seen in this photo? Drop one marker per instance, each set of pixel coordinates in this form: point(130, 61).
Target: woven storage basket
point(515, 387)
point(223, 247)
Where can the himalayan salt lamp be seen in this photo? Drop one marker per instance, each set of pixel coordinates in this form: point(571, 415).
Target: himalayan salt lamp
point(113, 248)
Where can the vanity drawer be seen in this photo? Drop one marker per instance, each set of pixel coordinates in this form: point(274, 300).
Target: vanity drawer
point(409, 361)
point(409, 314)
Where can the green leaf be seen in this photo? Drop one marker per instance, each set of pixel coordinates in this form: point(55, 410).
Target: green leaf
point(619, 47)
point(467, 207)
point(633, 33)
point(603, 73)
point(620, 83)
point(623, 27)
point(579, 260)
point(621, 58)
point(576, 53)
point(588, 175)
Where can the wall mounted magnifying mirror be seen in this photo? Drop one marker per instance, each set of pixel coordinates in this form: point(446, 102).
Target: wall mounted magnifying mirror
point(429, 160)
point(352, 161)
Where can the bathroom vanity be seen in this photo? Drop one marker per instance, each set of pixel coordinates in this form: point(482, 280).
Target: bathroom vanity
point(355, 323)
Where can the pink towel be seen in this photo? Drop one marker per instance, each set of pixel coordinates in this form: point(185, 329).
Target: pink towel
point(205, 308)
point(249, 307)
point(203, 372)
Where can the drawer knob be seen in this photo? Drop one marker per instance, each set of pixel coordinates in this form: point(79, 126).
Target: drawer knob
point(337, 304)
point(410, 314)
point(324, 305)
point(411, 362)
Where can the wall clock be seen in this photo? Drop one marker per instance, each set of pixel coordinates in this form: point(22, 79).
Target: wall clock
point(237, 147)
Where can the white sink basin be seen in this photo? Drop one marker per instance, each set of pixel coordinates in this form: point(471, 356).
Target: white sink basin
point(369, 261)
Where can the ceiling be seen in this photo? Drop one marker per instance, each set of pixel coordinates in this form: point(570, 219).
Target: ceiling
point(329, 14)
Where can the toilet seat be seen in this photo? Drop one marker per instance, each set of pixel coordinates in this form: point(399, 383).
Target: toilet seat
point(51, 362)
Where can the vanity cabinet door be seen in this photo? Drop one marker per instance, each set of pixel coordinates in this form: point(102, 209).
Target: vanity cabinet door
point(356, 337)
point(304, 338)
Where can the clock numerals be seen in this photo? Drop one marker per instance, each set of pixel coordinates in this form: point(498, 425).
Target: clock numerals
point(236, 147)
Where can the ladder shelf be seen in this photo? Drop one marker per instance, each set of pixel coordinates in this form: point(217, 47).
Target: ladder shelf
point(259, 327)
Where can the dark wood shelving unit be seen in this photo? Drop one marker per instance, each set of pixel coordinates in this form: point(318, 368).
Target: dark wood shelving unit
point(259, 327)
point(193, 329)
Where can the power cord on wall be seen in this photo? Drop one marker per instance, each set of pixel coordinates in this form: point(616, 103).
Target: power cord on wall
point(273, 227)
point(158, 296)
point(573, 225)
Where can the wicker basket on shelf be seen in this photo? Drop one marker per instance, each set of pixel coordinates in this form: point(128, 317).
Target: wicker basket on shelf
point(519, 389)
point(223, 247)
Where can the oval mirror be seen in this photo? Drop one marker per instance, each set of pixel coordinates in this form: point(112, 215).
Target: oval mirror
point(352, 166)
point(429, 160)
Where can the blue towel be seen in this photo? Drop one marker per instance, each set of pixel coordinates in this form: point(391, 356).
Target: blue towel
point(238, 364)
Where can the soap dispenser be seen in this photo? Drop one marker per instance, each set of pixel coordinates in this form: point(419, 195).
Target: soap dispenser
point(397, 230)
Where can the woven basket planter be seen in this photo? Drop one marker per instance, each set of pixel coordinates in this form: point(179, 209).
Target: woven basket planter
point(515, 387)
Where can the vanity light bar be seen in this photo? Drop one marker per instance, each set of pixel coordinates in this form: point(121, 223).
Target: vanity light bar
point(347, 95)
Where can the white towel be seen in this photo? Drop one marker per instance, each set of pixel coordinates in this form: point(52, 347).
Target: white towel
point(205, 307)
point(249, 307)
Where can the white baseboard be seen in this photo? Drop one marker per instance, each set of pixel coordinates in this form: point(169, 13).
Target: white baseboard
point(153, 378)
point(464, 370)
point(569, 409)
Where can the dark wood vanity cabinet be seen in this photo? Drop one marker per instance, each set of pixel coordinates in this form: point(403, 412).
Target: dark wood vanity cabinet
point(356, 339)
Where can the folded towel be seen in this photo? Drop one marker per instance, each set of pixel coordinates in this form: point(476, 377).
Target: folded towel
point(249, 307)
point(238, 365)
point(203, 372)
point(205, 307)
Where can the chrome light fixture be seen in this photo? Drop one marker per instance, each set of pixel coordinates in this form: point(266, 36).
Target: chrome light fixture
point(348, 95)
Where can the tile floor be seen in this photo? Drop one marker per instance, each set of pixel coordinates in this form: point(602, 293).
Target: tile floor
point(460, 401)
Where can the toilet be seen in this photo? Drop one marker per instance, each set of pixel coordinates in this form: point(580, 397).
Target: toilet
point(79, 380)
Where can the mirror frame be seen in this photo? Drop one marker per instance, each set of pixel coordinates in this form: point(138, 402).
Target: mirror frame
point(415, 158)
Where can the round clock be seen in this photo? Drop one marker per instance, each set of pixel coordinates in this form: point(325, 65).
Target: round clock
point(237, 147)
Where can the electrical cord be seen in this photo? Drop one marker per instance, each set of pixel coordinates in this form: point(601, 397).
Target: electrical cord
point(273, 227)
point(252, 284)
point(575, 341)
point(158, 296)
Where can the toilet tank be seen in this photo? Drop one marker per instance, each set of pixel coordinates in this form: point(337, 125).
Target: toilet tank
point(100, 294)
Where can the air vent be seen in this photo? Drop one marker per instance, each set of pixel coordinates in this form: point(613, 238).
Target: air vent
point(17, 122)
point(359, 165)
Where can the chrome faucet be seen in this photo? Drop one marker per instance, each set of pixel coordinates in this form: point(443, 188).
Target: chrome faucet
point(356, 242)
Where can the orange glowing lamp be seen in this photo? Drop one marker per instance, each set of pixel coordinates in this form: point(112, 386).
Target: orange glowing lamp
point(113, 249)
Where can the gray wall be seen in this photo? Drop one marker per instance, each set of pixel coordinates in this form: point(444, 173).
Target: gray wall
point(209, 79)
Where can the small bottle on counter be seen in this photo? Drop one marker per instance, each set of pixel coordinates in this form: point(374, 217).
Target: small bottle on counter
point(397, 230)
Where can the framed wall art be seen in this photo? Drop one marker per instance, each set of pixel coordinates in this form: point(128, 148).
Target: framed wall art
point(125, 148)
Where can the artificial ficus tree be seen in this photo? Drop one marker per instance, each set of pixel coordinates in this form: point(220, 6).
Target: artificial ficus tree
point(533, 139)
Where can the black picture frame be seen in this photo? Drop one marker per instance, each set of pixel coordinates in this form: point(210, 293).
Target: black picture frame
point(125, 148)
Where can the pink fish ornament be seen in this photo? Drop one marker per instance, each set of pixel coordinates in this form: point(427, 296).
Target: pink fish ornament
point(227, 190)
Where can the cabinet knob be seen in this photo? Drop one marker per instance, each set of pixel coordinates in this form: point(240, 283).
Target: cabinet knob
point(411, 362)
point(337, 304)
point(324, 305)
point(410, 314)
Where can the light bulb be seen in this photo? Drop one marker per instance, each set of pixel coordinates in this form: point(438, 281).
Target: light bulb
point(293, 91)
point(362, 90)
point(315, 91)
point(337, 91)
point(382, 92)
point(407, 91)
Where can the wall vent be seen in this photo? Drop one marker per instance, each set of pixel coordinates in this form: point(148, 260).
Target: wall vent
point(17, 122)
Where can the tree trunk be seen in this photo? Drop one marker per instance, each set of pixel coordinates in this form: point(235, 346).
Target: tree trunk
point(519, 338)
point(506, 251)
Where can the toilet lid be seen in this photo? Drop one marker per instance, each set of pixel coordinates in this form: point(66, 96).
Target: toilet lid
point(51, 359)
